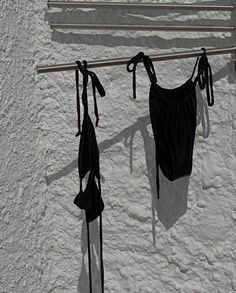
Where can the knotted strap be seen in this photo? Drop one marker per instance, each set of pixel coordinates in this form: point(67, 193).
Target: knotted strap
point(96, 85)
point(77, 101)
point(148, 66)
point(135, 60)
point(204, 77)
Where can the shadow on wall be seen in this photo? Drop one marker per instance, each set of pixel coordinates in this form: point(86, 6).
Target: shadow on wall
point(173, 195)
point(141, 125)
point(137, 16)
point(83, 283)
point(172, 203)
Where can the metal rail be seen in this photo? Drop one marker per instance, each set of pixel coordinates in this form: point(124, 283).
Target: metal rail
point(80, 4)
point(123, 61)
point(196, 28)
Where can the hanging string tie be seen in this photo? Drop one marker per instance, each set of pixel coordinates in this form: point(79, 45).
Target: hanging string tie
point(135, 60)
point(96, 85)
point(77, 99)
point(85, 83)
point(204, 77)
point(81, 69)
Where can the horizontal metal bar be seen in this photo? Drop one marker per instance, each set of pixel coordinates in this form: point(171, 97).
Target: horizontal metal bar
point(123, 61)
point(79, 4)
point(196, 28)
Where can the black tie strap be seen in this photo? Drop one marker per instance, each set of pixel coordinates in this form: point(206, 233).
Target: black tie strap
point(81, 69)
point(78, 101)
point(135, 60)
point(148, 66)
point(204, 77)
point(96, 85)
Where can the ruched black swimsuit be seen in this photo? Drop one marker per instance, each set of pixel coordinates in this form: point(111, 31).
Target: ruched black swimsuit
point(173, 115)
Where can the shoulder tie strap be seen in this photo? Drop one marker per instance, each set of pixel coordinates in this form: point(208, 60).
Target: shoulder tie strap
point(204, 77)
point(85, 83)
point(148, 66)
point(96, 84)
point(81, 69)
point(194, 68)
point(135, 60)
point(147, 61)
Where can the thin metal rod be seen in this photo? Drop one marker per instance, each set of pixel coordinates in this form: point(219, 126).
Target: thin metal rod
point(123, 61)
point(79, 4)
point(196, 28)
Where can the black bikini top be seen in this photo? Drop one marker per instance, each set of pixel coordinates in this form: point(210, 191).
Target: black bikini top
point(203, 78)
point(90, 198)
point(88, 159)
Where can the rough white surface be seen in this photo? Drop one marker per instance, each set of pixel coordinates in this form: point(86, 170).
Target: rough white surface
point(186, 241)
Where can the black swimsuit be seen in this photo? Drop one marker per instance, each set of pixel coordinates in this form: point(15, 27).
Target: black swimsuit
point(173, 117)
point(90, 198)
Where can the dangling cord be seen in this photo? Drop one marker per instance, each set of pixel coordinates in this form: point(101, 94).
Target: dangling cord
point(89, 260)
point(78, 101)
point(85, 83)
point(204, 77)
point(81, 69)
point(96, 85)
point(135, 60)
point(95, 105)
point(101, 244)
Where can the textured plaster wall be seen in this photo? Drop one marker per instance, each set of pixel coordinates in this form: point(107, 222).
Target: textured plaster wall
point(184, 242)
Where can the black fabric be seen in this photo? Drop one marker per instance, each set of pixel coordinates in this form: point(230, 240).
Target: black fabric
point(204, 77)
point(89, 198)
point(173, 115)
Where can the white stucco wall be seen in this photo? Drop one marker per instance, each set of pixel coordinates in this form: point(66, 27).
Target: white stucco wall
point(184, 242)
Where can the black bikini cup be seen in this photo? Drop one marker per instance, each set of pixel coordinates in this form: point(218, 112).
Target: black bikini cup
point(88, 150)
point(90, 200)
